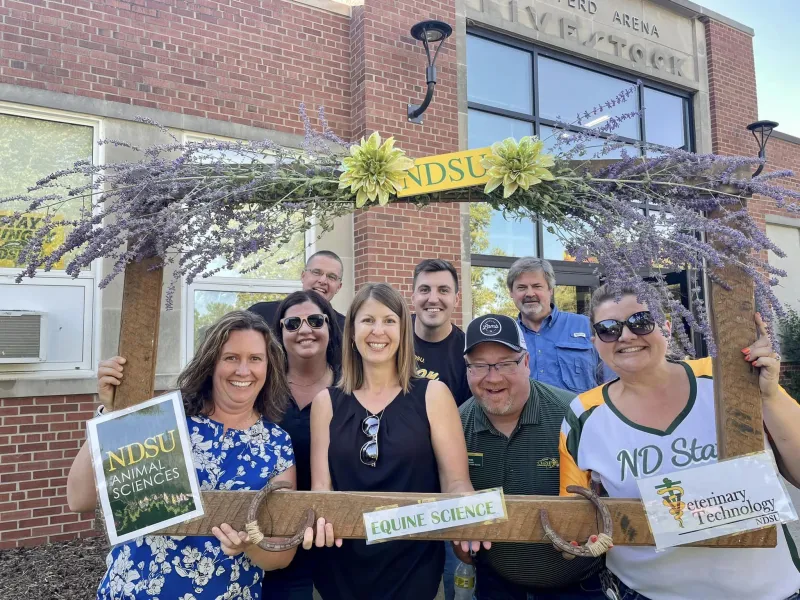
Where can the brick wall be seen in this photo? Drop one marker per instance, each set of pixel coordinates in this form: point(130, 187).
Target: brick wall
point(390, 241)
point(249, 62)
point(39, 439)
point(732, 91)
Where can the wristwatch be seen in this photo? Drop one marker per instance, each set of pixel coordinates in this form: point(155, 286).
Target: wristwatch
point(100, 411)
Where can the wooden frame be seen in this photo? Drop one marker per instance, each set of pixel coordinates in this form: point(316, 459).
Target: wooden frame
point(738, 417)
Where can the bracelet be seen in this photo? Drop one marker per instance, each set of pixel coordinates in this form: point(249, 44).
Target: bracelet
point(100, 411)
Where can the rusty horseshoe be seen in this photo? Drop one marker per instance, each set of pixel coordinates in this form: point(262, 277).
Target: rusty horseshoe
point(589, 549)
point(254, 532)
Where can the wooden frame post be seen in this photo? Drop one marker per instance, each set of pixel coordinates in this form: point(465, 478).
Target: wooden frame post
point(138, 336)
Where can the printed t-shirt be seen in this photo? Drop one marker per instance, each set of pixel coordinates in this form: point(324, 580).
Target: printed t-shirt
point(444, 361)
point(596, 438)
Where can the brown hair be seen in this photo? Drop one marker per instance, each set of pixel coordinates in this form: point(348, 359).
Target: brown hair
point(195, 381)
point(352, 365)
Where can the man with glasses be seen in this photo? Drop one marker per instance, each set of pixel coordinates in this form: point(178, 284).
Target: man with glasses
point(322, 274)
point(511, 426)
point(559, 343)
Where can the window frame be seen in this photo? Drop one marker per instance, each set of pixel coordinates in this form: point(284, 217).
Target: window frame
point(569, 273)
point(224, 284)
point(86, 279)
point(98, 158)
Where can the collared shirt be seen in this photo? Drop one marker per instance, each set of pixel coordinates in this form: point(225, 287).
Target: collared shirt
point(526, 462)
point(562, 353)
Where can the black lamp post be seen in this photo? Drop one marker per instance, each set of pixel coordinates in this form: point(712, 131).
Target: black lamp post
point(428, 32)
point(761, 131)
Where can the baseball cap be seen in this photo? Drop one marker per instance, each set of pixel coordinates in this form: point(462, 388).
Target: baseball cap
point(495, 328)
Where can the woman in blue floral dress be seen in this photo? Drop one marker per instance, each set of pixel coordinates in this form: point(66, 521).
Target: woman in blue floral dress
point(234, 390)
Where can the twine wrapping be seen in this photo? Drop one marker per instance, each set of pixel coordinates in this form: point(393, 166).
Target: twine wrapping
point(600, 546)
point(253, 532)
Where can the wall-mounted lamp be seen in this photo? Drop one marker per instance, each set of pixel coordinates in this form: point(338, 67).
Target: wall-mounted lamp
point(428, 32)
point(761, 131)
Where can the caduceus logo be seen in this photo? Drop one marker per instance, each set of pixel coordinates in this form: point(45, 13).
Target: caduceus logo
point(672, 498)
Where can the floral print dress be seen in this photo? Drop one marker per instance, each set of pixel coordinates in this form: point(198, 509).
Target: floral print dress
point(194, 567)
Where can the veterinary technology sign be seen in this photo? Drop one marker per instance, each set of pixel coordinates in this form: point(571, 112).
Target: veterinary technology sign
point(714, 500)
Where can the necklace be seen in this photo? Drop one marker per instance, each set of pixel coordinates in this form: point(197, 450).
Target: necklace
point(325, 374)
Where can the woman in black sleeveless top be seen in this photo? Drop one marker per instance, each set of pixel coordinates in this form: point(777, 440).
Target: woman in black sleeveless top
point(382, 430)
point(307, 331)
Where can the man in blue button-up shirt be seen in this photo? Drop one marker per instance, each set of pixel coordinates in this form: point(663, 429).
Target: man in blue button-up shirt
point(559, 343)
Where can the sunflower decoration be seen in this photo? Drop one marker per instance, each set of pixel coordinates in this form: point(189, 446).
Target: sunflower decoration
point(517, 165)
point(374, 170)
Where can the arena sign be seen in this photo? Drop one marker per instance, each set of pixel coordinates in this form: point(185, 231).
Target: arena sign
point(637, 35)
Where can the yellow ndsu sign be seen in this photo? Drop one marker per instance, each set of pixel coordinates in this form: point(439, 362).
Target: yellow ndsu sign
point(445, 172)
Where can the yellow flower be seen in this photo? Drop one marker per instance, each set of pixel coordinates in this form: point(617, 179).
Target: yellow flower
point(374, 171)
point(515, 165)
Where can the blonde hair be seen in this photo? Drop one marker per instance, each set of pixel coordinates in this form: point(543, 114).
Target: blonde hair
point(352, 364)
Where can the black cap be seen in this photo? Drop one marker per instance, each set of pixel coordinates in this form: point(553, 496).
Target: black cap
point(495, 328)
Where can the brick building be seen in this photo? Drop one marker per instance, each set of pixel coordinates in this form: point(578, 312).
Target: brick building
point(83, 70)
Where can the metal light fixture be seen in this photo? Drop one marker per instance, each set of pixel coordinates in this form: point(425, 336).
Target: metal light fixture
point(761, 131)
point(428, 32)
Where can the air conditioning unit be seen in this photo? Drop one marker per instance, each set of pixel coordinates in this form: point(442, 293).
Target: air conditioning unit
point(23, 336)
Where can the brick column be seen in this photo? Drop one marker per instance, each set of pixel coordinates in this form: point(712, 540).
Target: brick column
point(734, 105)
point(388, 72)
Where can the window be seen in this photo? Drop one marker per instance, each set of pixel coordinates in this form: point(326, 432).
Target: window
point(516, 89)
point(240, 286)
point(787, 238)
point(211, 298)
point(35, 143)
point(30, 149)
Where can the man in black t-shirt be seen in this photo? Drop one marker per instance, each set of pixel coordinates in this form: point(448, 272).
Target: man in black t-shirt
point(439, 348)
point(323, 274)
point(438, 344)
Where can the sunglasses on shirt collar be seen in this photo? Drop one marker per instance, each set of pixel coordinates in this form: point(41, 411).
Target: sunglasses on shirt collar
point(640, 323)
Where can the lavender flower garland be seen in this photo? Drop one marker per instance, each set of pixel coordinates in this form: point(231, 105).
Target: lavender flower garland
point(191, 203)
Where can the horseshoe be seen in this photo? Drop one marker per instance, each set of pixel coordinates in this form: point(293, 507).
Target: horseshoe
point(254, 532)
point(589, 549)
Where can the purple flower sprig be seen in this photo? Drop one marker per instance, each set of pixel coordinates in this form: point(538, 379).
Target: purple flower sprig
point(201, 207)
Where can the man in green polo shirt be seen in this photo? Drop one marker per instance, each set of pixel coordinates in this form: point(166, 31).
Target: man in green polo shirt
point(512, 426)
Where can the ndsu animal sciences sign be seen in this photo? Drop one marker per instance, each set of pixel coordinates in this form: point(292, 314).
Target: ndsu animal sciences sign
point(445, 172)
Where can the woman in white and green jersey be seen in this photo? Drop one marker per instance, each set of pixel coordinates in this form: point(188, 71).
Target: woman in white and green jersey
point(662, 412)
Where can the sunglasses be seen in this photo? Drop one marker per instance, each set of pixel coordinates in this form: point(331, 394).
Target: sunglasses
point(369, 451)
point(295, 323)
point(640, 323)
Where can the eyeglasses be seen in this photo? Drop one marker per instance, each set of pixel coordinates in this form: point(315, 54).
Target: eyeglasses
point(369, 451)
point(295, 323)
point(506, 367)
point(332, 277)
point(640, 323)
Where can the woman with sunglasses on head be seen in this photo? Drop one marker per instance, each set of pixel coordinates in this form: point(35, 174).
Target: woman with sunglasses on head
point(381, 429)
point(668, 406)
point(310, 337)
